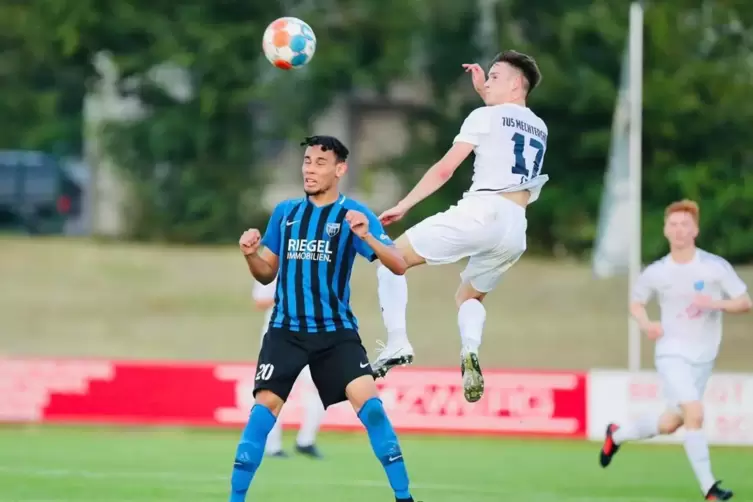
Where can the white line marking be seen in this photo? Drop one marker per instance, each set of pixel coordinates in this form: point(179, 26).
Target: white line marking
point(184, 478)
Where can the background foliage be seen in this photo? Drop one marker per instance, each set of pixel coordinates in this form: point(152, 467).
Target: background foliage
point(192, 159)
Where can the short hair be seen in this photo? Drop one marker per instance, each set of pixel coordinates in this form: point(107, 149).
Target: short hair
point(328, 143)
point(683, 206)
point(523, 62)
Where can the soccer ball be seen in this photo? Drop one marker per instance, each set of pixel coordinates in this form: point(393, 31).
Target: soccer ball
point(289, 43)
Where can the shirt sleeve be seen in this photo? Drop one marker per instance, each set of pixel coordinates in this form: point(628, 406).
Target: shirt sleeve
point(475, 126)
point(272, 239)
point(731, 283)
point(377, 231)
point(264, 291)
point(644, 288)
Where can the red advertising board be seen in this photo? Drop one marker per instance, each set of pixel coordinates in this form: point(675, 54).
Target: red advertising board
point(199, 394)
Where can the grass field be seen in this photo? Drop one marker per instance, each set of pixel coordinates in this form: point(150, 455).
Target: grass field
point(82, 298)
point(106, 465)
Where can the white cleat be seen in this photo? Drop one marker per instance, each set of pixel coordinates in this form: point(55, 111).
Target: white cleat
point(391, 356)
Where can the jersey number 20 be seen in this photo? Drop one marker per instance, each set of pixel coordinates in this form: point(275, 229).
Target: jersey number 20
point(520, 160)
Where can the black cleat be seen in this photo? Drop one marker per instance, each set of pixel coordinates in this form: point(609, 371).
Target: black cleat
point(716, 492)
point(404, 500)
point(473, 379)
point(310, 451)
point(609, 449)
point(279, 454)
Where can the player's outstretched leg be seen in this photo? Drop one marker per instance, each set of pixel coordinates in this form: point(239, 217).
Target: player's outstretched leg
point(313, 414)
point(471, 319)
point(645, 427)
point(363, 396)
point(248, 455)
point(393, 299)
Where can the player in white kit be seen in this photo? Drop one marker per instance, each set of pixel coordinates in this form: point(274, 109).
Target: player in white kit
point(264, 298)
point(488, 225)
point(693, 288)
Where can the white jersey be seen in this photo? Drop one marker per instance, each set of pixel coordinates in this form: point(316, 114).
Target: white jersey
point(690, 333)
point(510, 143)
point(265, 292)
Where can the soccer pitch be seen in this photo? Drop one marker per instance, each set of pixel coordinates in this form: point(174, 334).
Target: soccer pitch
point(63, 464)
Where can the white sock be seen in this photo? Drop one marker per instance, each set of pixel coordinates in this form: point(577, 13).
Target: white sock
point(471, 318)
point(393, 298)
point(646, 427)
point(274, 440)
point(313, 414)
point(697, 450)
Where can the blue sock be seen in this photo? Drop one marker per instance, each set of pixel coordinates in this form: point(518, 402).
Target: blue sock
point(385, 445)
point(250, 451)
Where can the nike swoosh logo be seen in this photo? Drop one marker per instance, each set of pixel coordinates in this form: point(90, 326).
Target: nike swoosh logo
point(289, 223)
point(392, 459)
point(364, 365)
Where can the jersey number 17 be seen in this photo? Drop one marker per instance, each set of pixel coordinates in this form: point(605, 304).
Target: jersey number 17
point(520, 166)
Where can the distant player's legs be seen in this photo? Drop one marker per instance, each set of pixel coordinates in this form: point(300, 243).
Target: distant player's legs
point(313, 414)
point(683, 385)
point(393, 299)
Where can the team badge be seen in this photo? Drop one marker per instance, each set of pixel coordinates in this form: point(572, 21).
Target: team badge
point(698, 286)
point(332, 229)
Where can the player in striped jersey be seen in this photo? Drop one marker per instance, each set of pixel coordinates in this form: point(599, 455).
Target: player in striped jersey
point(311, 244)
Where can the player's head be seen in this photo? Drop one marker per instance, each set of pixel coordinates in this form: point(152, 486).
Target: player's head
point(511, 78)
point(324, 163)
point(681, 224)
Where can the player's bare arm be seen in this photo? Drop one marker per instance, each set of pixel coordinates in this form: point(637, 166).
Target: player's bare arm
point(262, 264)
point(478, 77)
point(265, 303)
point(652, 329)
point(738, 305)
point(432, 180)
point(387, 255)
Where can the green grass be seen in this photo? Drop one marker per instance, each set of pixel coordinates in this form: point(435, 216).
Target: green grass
point(51, 464)
point(81, 298)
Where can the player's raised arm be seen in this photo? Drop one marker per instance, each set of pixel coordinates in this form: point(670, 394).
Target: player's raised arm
point(263, 264)
point(374, 243)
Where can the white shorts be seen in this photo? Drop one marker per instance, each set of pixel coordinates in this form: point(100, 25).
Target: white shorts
point(682, 381)
point(487, 228)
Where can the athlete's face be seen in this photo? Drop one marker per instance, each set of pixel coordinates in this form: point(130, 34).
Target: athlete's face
point(680, 229)
point(504, 84)
point(321, 170)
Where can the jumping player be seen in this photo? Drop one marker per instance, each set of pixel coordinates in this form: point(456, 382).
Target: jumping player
point(488, 225)
point(313, 413)
point(311, 244)
point(690, 285)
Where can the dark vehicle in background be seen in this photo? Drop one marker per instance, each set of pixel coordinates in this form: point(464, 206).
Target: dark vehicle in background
point(37, 196)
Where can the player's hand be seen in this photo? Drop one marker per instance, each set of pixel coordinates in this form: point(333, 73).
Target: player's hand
point(392, 215)
point(249, 241)
point(704, 302)
point(358, 222)
point(478, 77)
point(653, 330)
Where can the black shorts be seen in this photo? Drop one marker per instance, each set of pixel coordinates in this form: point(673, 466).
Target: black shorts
point(335, 359)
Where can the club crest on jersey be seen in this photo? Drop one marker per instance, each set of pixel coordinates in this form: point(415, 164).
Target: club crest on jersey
point(698, 286)
point(332, 229)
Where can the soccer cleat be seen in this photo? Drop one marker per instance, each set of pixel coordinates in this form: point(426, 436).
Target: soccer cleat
point(389, 357)
point(309, 451)
point(278, 454)
point(716, 492)
point(473, 380)
point(609, 449)
point(404, 500)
